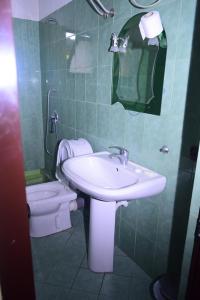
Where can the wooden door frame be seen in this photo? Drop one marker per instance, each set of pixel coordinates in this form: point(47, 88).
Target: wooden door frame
point(15, 251)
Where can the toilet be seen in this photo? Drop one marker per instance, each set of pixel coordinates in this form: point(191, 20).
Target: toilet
point(50, 203)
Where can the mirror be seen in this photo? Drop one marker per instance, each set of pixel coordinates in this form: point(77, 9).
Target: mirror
point(138, 69)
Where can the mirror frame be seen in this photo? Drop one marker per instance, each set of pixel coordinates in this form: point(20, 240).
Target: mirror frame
point(154, 107)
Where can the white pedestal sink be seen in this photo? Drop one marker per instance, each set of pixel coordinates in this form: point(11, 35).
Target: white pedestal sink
point(109, 184)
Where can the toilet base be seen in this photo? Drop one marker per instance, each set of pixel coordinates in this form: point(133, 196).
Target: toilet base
point(50, 204)
point(52, 223)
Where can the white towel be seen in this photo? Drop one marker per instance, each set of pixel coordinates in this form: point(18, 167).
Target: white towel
point(82, 60)
point(79, 147)
point(68, 149)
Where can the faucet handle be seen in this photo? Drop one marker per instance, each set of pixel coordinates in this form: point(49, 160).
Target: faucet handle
point(122, 150)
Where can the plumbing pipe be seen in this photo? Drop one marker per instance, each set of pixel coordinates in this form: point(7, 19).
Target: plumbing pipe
point(47, 122)
point(76, 204)
point(121, 203)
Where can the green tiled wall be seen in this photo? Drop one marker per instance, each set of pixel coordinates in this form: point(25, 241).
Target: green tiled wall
point(192, 136)
point(83, 103)
point(193, 215)
point(26, 34)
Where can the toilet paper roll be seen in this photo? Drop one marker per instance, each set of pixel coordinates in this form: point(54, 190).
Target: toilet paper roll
point(150, 25)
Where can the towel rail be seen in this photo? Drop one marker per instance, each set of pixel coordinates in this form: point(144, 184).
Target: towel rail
point(134, 2)
point(104, 12)
point(101, 9)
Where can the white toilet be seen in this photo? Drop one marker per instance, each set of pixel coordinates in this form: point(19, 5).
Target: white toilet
point(50, 204)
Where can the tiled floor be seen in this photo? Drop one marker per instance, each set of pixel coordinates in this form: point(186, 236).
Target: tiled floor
point(61, 271)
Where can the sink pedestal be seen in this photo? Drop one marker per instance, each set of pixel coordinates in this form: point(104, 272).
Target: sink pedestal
point(101, 235)
point(100, 176)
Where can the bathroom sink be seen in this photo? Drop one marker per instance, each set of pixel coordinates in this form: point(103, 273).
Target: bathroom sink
point(110, 182)
point(104, 177)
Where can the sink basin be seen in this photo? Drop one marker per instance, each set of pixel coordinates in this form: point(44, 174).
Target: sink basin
point(105, 178)
point(109, 185)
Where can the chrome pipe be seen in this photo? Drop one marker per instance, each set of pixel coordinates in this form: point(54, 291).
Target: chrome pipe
point(47, 121)
point(106, 11)
point(96, 8)
point(100, 8)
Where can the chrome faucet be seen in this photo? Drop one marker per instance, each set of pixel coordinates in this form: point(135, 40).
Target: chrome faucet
point(122, 155)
